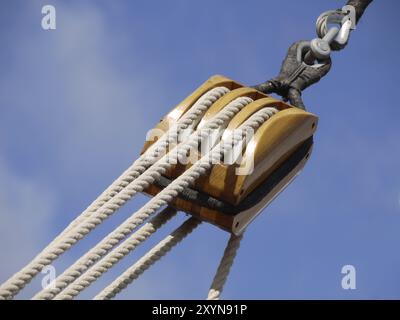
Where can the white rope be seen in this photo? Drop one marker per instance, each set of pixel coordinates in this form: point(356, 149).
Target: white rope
point(116, 255)
point(164, 197)
point(234, 241)
point(186, 179)
point(75, 231)
point(224, 267)
point(156, 253)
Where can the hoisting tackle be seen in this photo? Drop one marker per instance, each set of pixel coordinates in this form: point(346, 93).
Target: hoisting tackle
point(278, 151)
point(221, 155)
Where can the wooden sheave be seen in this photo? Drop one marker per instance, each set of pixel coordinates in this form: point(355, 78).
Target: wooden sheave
point(279, 150)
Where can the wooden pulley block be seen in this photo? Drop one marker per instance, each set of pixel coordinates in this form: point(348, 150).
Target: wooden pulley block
point(228, 197)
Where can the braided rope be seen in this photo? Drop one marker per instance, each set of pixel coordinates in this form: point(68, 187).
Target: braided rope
point(172, 190)
point(164, 197)
point(224, 267)
point(234, 242)
point(155, 254)
point(116, 255)
point(75, 231)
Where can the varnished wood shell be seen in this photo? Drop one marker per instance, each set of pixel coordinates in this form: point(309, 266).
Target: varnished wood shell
point(271, 145)
point(181, 108)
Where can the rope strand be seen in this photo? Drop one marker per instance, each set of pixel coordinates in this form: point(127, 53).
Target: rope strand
point(155, 254)
point(224, 267)
point(116, 255)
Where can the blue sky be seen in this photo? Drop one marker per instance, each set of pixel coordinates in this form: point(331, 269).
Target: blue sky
point(76, 103)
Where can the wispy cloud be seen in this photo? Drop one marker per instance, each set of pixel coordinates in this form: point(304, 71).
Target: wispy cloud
point(26, 208)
